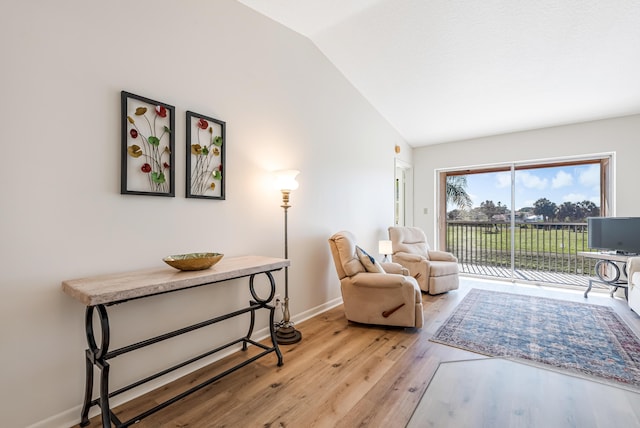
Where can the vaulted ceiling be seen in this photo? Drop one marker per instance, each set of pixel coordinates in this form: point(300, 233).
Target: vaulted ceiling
point(447, 70)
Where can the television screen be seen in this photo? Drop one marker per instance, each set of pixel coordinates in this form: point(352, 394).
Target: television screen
point(620, 234)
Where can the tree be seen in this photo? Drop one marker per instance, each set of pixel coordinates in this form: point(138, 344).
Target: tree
point(456, 191)
point(568, 211)
point(454, 214)
point(546, 208)
point(490, 209)
point(588, 209)
point(476, 214)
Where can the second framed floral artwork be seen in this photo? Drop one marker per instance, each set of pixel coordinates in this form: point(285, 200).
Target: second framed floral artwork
point(205, 157)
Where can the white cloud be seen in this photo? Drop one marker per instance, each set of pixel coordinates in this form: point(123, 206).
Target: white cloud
point(531, 181)
point(474, 200)
point(503, 179)
point(574, 197)
point(590, 176)
point(562, 179)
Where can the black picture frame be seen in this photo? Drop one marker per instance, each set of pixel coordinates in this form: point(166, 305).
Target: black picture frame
point(205, 152)
point(148, 143)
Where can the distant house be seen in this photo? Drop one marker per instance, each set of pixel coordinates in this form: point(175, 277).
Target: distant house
point(533, 218)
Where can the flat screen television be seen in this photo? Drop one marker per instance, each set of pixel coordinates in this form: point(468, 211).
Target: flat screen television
point(620, 234)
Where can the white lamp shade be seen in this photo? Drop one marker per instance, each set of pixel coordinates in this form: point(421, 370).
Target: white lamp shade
point(384, 247)
point(286, 179)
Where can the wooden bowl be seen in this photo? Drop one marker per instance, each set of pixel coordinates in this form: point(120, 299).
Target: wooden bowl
point(193, 261)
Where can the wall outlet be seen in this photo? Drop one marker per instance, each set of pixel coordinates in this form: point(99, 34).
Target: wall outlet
point(278, 300)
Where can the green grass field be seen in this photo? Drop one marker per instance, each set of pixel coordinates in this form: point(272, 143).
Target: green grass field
point(551, 247)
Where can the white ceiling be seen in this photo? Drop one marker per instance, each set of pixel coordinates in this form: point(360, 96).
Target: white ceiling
point(447, 70)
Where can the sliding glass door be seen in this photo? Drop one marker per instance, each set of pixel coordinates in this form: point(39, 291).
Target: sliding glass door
point(523, 221)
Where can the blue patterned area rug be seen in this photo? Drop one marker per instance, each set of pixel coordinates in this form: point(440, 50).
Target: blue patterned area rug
point(582, 338)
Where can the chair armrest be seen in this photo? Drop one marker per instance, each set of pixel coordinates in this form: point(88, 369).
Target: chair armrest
point(442, 256)
point(408, 257)
point(390, 267)
point(633, 266)
point(381, 280)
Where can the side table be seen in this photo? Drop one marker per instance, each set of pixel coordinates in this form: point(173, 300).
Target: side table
point(607, 269)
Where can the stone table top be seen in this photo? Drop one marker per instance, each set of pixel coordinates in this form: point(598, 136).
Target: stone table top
point(113, 288)
point(604, 255)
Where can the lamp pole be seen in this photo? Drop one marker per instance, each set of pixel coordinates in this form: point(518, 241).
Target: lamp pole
point(286, 334)
point(286, 316)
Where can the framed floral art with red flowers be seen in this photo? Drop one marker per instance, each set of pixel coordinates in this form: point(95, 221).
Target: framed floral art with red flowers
point(205, 157)
point(148, 141)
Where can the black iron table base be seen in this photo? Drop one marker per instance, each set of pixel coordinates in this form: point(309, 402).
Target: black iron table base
point(97, 355)
point(608, 273)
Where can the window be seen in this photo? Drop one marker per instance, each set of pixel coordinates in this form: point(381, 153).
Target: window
point(517, 220)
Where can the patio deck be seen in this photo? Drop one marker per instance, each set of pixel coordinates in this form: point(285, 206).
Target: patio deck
point(534, 276)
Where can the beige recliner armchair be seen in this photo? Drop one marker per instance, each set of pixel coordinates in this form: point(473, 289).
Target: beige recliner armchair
point(383, 298)
point(436, 271)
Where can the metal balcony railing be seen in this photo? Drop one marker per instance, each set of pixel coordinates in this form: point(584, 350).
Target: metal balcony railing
point(544, 252)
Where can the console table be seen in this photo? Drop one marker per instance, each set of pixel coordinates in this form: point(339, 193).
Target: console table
point(608, 271)
point(97, 293)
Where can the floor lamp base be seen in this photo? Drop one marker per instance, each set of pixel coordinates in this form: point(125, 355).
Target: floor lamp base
point(288, 335)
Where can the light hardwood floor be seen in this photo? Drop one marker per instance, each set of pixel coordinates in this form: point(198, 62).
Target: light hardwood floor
point(340, 375)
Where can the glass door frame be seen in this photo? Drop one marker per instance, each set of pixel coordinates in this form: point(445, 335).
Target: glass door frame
point(607, 188)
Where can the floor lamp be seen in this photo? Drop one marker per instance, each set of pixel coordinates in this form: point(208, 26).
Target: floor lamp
point(286, 334)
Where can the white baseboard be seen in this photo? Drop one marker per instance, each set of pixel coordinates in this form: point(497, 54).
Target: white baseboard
point(317, 310)
point(71, 416)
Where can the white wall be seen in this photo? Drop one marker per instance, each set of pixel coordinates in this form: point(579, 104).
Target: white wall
point(64, 64)
point(619, 135)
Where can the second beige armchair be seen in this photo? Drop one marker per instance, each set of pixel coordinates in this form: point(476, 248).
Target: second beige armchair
point(435, 271)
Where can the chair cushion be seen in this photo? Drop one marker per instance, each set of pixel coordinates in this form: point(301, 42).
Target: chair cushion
point(345, 244)
point(410, 240)
point(369, 263)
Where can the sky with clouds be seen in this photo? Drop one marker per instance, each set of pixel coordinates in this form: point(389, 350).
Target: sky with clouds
point(560, 184)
